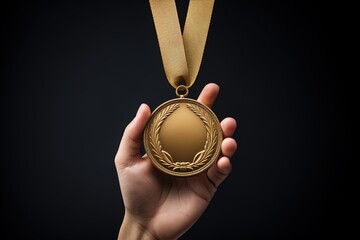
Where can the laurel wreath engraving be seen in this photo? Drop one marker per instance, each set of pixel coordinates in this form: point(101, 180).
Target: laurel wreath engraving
point(201, 158)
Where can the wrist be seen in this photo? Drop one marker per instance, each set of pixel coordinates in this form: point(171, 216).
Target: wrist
point(131, 229)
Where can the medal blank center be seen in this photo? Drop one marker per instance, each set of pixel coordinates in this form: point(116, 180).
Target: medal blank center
point(183, 134)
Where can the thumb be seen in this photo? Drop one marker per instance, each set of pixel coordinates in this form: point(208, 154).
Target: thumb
point(131, 140)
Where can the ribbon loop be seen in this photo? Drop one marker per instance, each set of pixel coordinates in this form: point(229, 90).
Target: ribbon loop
point(181, 53)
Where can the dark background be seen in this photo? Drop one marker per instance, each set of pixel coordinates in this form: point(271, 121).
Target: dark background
point(74, 73)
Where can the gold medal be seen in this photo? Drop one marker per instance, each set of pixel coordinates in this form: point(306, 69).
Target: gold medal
point(183, 137)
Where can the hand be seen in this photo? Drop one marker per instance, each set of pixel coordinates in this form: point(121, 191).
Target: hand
point(159, 206)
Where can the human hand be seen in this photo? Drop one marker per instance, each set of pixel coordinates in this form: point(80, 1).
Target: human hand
point(157, 205)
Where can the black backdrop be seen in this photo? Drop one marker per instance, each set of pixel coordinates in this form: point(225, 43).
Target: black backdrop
point(74, 73)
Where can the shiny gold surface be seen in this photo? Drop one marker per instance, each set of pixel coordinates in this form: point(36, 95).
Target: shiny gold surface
point(183, 137)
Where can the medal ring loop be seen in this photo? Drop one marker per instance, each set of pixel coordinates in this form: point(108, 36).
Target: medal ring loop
point(182, 88)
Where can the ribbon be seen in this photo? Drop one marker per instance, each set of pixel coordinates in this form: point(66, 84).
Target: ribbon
point(181, 53)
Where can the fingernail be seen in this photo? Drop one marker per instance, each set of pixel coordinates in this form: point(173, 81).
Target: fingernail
point(139, 110)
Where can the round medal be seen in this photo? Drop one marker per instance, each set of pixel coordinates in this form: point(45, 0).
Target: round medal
point(183, 137)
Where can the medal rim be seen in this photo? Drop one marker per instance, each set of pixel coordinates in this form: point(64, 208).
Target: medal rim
point(203, 168)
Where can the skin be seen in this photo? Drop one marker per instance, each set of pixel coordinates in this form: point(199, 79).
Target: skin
point(159, 206)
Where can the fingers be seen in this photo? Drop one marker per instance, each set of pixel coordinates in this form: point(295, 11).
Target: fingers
point(131, 140)
point(228, 126)
point(228, 147)
point(219, 171)
point(208, 94)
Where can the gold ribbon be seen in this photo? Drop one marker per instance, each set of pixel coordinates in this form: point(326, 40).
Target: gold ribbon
point(181, 53)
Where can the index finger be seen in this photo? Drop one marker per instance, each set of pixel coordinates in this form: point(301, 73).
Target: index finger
point(209, 94)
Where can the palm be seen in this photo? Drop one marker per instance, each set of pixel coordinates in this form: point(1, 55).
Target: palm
point(167, 201)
